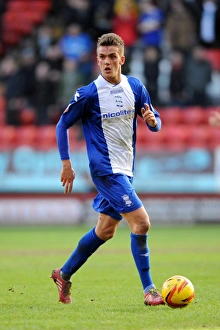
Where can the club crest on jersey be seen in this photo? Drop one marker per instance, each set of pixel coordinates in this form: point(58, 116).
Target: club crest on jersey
point(118, 100)
point(127, 200)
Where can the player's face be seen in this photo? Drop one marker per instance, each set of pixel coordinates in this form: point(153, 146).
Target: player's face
point(110, 61)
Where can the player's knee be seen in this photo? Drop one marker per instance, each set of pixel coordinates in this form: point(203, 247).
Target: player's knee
point(106, 234)
point(109, 234)
point(142, 226)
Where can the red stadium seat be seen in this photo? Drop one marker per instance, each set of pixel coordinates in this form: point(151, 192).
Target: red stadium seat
point(176, 137)
point(171, 115)
point(7, 137)
point(40, 6)
point(17, 22)
point(213, 55)
point(195, 116)
point(34, 17)
point(211, 109)
point(46, 137)
point(214, 137)
point(28, 116)
point(26, 136)
point(16, 6)
point(2, 108)
point(199, 136)
point(147, 140)
point(10, 37)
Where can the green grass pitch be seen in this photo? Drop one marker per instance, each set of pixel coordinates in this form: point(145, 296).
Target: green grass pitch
point(107, 293)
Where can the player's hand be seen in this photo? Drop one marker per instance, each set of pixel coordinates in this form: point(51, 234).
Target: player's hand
point(214, 119)
point(67, 176)
point(148, 115)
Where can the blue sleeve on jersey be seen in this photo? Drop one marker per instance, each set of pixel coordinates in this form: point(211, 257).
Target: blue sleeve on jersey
point(75, 110)
point(142, 96)
point(62, 140)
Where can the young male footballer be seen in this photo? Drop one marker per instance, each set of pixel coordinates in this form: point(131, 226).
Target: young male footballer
point(108, 109)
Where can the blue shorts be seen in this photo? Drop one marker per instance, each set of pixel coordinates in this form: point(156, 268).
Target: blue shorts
point(116, 195)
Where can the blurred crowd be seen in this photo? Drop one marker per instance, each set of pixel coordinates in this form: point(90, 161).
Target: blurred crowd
point(168, 44)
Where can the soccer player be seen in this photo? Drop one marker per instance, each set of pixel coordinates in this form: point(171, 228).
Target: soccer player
point(108, 109)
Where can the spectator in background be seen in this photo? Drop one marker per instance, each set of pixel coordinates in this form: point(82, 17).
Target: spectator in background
point(210, 23)
point(17, 94)
point(79, 12)
point(102, 15)
point(44, 39)
point(124, 24)
point(177, 86)
point(70, 80)
point(150, 25)
point(151, 71)
point(78, 46)
point(54, 57)
point(207, 17)
point(45, 91)
point(56, 8)
point(198, 76)
point(3, 4)
point(180, 27)
point(2, 104)
point(28, 61)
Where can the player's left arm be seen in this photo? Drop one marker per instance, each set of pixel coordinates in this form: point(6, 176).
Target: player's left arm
point(150, 117)
point(146, 110)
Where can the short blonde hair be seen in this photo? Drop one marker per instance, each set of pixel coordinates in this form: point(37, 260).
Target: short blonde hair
point(111, 39)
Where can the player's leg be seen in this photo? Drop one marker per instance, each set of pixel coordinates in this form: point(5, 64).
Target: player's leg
point(139, 224)
point(117, 189)
point(87, 245)
point(106, 227)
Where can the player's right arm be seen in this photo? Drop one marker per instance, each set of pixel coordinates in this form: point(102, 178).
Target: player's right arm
point(73, 112)
point(67, 176)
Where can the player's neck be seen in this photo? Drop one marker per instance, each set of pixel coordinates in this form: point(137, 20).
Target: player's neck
point(115, 81)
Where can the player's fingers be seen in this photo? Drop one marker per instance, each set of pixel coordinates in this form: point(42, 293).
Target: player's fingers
point(148, 115)
point(62, 178)
point(145, 109)
point(142, 111)
point(68, 186)
point(146, 106)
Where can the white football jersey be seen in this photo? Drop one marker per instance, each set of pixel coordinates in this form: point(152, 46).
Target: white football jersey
point(109, 120)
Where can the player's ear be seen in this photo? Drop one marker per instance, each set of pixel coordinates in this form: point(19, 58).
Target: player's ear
point(122, 60)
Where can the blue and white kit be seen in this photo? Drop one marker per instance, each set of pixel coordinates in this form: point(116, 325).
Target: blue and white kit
point(109, 120)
